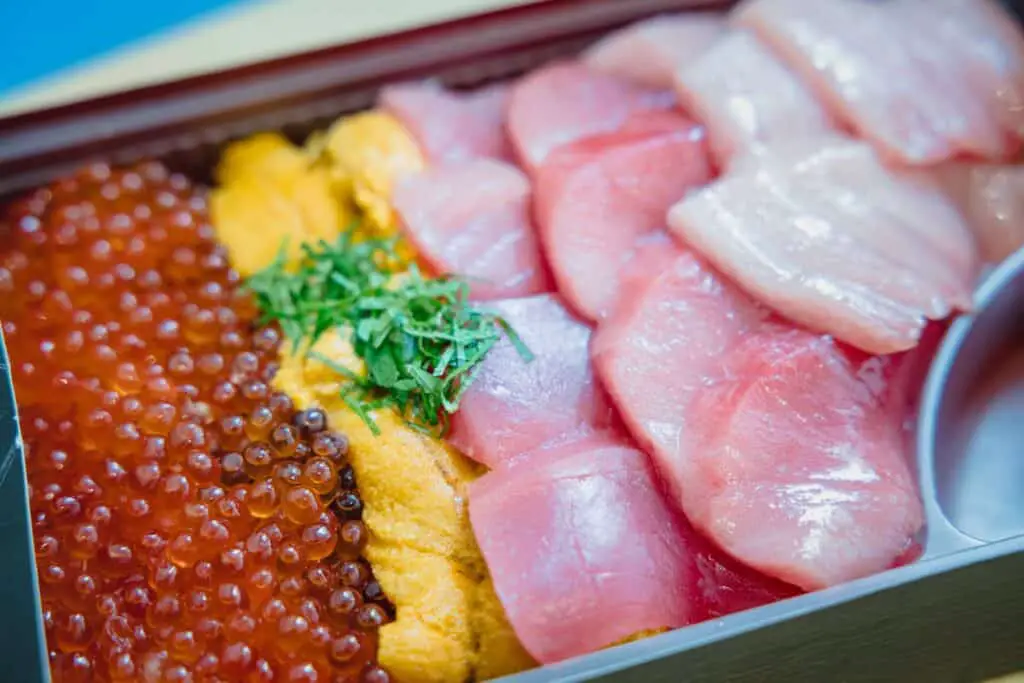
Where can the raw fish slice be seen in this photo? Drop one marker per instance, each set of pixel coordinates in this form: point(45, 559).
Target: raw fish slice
point(758, 102)
point(720, 585)
point(598, 198)
point(898, 379)
point(650, 256)
point(572, 443)
point(665, 343)
point(799, 264)
point(819, 230)
point(515, 406)
point(907, 197)
point(583, 549)
point(724, 585)
point(899, 85)
point(978, 131)
point(649, 52)
point(486, 235)
point(833, 172)
point(725, 364)
point(451, 126)
point(798, 470)
point(992, 198)
point(993, 48)
point(565, 101)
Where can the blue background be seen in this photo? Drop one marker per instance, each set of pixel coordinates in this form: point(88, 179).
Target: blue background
point(40, 37)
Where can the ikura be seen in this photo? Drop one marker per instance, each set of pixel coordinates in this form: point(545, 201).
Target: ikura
point(189, 523)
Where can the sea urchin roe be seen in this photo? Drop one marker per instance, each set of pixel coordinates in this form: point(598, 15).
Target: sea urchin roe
point(449, 624)
point(270, 191)
point(367, 153)
point(184, 514)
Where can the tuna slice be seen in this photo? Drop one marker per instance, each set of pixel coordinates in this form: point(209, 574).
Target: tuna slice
point(583, 549)
point(486, 235)
point(650, 256)
point(665, 343)
point(755, 415)
point(649, 52)
point(599, 197)
point(566, 101)
point(921, 86)
point(759, 102)
point(992, 198)
point(821, 231)
point(798, 468)
point(452, 126)
point(722, 585)
point(514, 406)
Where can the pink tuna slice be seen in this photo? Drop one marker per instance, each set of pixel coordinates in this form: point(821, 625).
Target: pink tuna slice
point(650, 257)
point(452, 126)
point(798, 468)
point(485, 235)
point(583, 549)
point(991, 197)
point(648, 52)
point(665, 343)
point(822, 232)
point(600, 197)
point(565, 101)
point(710, 429)
point(744, 96)
point(723, 585)
point(720, 585)
point(513, 406)
point(901, 73)
point(897, 379)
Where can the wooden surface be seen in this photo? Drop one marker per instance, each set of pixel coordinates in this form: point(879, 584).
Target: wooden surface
point(251, 32)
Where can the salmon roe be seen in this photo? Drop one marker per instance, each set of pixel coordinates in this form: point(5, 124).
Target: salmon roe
point(189, 523)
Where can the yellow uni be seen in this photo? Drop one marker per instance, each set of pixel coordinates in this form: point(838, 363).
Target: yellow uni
point(272, 194)
point(367, 154)
point(450, 626)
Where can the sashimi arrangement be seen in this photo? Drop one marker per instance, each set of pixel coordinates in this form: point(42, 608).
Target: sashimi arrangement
point(479, 381)
point(758, 217)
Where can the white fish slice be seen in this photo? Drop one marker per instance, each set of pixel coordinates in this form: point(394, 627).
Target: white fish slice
point(820, 231)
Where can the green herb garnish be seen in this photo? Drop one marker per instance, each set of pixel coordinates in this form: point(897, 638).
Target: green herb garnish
point(419, 338)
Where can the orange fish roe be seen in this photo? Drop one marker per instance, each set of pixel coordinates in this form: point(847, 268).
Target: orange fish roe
point(189, 524)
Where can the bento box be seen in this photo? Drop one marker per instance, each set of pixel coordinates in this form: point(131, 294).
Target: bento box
point(952, 615)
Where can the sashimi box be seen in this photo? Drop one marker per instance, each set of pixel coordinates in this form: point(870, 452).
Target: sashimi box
point(954, 614)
